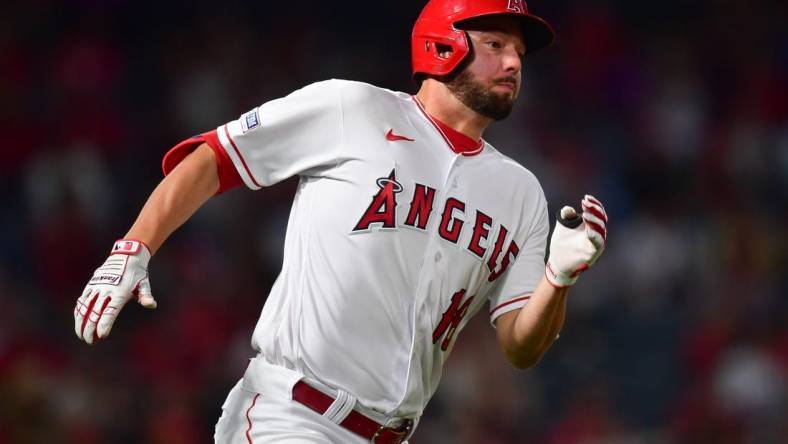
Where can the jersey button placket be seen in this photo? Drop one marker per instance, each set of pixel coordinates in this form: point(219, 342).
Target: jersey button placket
point(432, 276)
point(451, 178)
point(436, 242)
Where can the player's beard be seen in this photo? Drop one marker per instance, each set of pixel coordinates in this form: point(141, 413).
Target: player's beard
point(478, 98)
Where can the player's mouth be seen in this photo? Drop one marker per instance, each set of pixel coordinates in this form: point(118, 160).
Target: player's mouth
point(509, 85)
point(506, 85)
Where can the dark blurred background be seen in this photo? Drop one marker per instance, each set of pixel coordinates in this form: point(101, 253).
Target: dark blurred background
point(674, 113)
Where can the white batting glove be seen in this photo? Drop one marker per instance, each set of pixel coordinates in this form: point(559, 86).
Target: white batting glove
point(577, 242)
point(124, 275)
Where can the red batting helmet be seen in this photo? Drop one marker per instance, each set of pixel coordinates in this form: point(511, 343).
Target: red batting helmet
point(436, 28)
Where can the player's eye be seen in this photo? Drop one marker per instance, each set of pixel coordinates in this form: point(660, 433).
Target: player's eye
point(521, 50)
point(494, 44)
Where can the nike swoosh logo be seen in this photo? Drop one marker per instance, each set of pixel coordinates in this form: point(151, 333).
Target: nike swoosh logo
point(396, 137)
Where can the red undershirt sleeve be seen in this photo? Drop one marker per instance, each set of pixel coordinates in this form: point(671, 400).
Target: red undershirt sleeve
point(228, 175)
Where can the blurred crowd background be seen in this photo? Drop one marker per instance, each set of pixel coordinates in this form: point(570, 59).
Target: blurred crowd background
point(674, 113)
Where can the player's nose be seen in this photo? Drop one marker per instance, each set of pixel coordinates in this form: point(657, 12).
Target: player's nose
point(512, 62)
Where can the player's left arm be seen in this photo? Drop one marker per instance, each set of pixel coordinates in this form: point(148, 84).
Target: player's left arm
point(577, 242)
point(526, 334)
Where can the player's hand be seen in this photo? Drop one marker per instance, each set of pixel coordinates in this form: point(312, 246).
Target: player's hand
point(578, 241)
point(124, 275)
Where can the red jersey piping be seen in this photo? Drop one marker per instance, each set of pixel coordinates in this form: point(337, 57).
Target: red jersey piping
point(446, 137)
point(238, 152)
point(511, 301)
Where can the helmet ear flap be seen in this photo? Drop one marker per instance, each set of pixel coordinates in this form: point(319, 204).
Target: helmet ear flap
point(439, 53)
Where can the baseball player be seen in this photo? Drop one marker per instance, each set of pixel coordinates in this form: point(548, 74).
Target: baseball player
point(405, 224)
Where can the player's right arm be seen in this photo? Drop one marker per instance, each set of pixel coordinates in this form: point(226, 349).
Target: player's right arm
point(176, 198)
point(124, 274)
point(300, 132)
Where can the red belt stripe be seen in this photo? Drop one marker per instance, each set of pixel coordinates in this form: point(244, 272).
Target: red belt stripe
point(355, 421)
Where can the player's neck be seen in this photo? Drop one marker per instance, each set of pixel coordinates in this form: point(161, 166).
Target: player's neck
point(441, 104)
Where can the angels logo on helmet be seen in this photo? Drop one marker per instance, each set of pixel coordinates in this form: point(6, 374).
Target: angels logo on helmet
point(516, 6)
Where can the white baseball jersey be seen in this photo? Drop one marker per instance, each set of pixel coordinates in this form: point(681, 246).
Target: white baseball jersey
point(396, 238)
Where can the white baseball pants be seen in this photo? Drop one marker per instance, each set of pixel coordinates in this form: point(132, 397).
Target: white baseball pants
point(252, 418)
point(259, 409)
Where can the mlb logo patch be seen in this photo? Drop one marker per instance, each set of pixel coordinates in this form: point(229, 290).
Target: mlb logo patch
point(250, 120)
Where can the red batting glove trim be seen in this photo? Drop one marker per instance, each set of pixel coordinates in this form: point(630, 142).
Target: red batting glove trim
point(141, 242)
point(594, 200)
point(594, 226)
point(549, 270)
point(88, 310)
point(595, 212)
